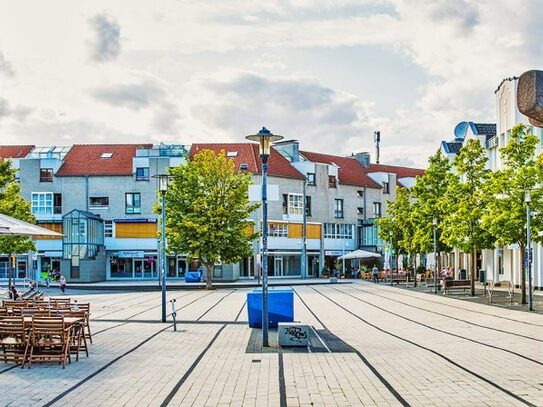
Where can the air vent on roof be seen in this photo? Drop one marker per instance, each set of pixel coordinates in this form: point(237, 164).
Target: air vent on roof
point(244, 167)
point(106, 155)
point(232, 154)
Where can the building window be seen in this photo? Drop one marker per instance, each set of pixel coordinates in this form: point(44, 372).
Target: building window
point(142, 174)
point(386, 187)
point(42, 203)
point(295, 204)
point(332, 181)
point(360, 193)
point(311, 179)
point(338, 231)
point(338, 209)
point(307, 205)
point(278, 230)
point(46, 175)
point(360, 210)
point(108, 228)
point(99, 202)
point(377, 209)
point(57, 204)
point(132, 203)
point(369, 235)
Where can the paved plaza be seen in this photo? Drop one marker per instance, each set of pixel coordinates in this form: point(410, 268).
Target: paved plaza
point(381, 346)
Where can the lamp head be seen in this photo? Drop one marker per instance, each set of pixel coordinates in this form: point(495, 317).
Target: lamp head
point(163, 181)
point(264, 138)
point(434, 221)
point(527, 196)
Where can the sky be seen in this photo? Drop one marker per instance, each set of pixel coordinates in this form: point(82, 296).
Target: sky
point(325, 72)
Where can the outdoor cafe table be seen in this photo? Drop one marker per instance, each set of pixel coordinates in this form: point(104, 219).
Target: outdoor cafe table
point(67, 320)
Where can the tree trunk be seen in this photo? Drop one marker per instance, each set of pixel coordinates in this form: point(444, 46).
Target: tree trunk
point(209, 276)
point(523, 274)
point(473, 267)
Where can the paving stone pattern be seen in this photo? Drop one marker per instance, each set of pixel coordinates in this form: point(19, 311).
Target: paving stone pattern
point(398, 347)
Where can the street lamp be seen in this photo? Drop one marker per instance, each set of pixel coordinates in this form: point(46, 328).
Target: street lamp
point(163, 182)
point(264, 138)
point(528, 201)
point(434, 224)
point(390, 259)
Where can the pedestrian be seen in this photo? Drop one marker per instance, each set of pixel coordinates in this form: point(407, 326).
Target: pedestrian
point(375, 273)
point(13, 293)
point(32, 285)
point(62, 284)
point(48, 280)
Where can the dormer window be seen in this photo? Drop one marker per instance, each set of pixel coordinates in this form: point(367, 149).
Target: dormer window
point(332, 181)
point(232, 154)
point(106, 155)
point(244, 167)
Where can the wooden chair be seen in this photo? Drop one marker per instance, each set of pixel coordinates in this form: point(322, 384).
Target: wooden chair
point(28, 312)
point(49, 341)
point(85, 306)
point(13, 339)
point(60, 301)
point(78, 340)
point(3, 312)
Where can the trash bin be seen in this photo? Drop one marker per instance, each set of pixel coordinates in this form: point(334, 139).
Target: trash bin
point(280, 307)
point(462, 275)
point(482, 276)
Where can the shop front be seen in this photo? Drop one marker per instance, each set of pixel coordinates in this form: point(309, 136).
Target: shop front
point(132, 265)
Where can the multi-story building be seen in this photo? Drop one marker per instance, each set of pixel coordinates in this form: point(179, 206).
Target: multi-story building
point(501, 263)
point(101, 197)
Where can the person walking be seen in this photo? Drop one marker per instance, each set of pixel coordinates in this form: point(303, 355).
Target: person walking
point(62, 284)
point(375, 273)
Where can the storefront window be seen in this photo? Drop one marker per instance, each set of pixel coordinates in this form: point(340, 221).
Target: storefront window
point(121, 268)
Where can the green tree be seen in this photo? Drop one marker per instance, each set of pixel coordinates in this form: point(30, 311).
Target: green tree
point(13, 204)
point(428, 192)
point(506, 215)
point(464, 204)
point(397, 226)
point(208, 210)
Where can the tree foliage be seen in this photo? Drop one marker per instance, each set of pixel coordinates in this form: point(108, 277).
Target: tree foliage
point(397, 227)
point(13, 204)
point(208, 210)
point(465, 202)
point(429, 192)
point(505, 217)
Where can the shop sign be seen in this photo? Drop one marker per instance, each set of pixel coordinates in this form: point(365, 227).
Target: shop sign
point(334, 252)
point(123, 254)
point(135, 220)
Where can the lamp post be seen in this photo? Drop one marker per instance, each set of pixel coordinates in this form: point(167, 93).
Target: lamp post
point(434, 225)
point(303, 262)
point(163, 181)
point(264, 138)
point(528, 201)
point(390, 259)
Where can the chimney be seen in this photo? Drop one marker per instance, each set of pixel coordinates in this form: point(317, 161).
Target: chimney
point(363, 158)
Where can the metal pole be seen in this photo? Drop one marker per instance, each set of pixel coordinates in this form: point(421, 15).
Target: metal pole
point(528, 235)
point(264, 251)
point(163, 255)
point(303, 263)
point(343, 255)
point(390, 261)
point(435, 259)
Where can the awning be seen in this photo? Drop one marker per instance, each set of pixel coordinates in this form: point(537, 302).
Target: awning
point(15, 227)
point(359, 254)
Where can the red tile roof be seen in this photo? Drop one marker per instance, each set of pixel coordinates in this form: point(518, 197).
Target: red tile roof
point(401, 172)
point(86, 159)
point(15, 151)
point(247, 153)
point(351, 172)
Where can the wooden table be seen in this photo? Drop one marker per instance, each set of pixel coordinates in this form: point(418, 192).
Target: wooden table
point(67, 320)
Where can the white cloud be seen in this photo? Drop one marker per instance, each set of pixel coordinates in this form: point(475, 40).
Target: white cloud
point(5, 66)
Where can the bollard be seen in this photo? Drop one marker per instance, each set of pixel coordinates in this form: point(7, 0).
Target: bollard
point(174, 314)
